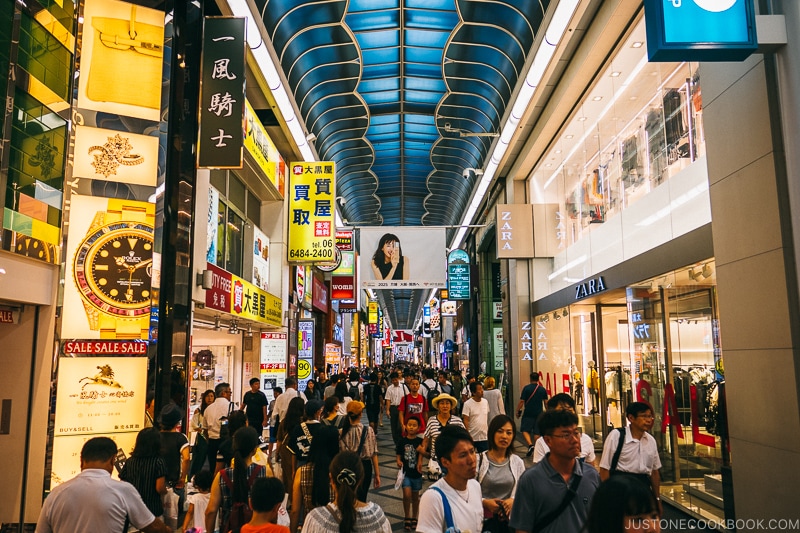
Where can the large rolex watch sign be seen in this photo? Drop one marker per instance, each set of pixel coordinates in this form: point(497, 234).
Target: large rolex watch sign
point(312, 228)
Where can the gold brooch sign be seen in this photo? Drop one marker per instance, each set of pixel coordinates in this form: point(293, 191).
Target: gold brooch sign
point(115, 156)
point(121, 59)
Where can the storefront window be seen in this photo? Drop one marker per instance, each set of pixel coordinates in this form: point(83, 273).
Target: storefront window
point(210, 365)
point(234, 249)
point(617, 180)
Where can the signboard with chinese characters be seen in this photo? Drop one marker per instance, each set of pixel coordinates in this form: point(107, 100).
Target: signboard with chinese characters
point(221, 137)
point(700, 30)
point(312, 189)
point(458, 275)
point(258, 144)
point(231, 294)
point(273, 362)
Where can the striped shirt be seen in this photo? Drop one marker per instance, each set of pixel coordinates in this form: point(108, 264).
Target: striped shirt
point(369, 519)
point(142, 473)
point(435, 426)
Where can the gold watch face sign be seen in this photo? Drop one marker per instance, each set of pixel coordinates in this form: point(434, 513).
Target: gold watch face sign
point(110, 266)
point(113, 268)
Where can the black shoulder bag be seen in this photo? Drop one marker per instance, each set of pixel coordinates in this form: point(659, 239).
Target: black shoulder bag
point(550, 517)
point(618, 451)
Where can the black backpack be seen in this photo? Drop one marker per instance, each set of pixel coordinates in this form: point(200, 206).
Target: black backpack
point(241, 513)
point(353, 392)
point(372, 395)
point(431, 394)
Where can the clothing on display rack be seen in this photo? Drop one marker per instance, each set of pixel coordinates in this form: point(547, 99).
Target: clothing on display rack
point(656, 143)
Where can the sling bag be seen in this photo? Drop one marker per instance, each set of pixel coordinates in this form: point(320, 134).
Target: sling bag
point(550, 517)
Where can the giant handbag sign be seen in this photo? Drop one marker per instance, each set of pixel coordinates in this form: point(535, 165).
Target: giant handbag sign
point(700, 30)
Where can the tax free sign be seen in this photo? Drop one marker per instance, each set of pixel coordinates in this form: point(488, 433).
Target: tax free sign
point(700, 30)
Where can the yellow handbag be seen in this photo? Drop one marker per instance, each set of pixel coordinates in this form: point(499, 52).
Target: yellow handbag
point(125, 66)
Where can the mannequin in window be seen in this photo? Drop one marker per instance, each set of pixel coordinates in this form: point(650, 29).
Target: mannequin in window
point(594, 386)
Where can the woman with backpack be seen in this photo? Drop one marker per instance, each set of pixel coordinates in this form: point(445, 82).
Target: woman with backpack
point(330, 413)
point(342, 395)
point(292, 419)
point(312, 486)
point(361, 440)
point(231, 488)
point(347, 514)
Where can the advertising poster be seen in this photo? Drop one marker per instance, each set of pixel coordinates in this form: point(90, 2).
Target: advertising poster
point(458, 275)
point(108, 269)
point(110, 155)
point(100, 395)
point(402, 258)
point(312, 190)
point(305, 352)
point(258, 143)
point(212, 225)
point(260, 259)
point(121, 75)
point(273, 362)
point(67, 454)
point(333, 358)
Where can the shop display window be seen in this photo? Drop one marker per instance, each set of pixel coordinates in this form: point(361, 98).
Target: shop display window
point(604, 185)
point(211, 365)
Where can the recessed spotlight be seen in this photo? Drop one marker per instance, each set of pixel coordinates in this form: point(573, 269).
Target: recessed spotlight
point(581, 119)
point(637, 44)
point(568, 136)
point(548, 165)
point(633, 98)
point(557, 151)
point(597, 98)
point(615, 74)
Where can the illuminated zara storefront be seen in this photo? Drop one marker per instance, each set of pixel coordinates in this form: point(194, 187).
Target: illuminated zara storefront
point(624, 298)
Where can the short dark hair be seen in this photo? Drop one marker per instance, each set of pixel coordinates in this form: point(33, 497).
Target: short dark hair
point(98, 449)
point(266, 493)
point(552, 419)
point(449, 438)
point(279, 390)
point(616, 498)
point(290, 382)
point(534, 376)
point(474, 386)
point(415, 418)
point(254, 380)
point(394, 375)
point(220, 388)
point(203, 480)
point(634, 409)
point(561, 397)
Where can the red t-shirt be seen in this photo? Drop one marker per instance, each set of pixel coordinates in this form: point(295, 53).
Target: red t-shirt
point(410, 405)
point(266, 528)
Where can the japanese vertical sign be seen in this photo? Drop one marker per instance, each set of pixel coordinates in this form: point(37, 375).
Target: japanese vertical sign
point(221, 138)
point(312, 228)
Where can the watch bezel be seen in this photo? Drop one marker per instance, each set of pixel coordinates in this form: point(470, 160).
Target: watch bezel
point(84, 257)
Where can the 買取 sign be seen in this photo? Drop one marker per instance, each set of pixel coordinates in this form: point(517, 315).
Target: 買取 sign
point(700, 30)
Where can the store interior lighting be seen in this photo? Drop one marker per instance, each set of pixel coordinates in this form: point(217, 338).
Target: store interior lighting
point(217, 325)
point(234, 327)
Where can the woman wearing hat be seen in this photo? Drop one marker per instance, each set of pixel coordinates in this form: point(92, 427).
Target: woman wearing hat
point(361, 439)
point(445, 404)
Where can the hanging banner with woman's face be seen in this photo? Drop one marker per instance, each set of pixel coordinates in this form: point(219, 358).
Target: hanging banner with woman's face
point(402, 258)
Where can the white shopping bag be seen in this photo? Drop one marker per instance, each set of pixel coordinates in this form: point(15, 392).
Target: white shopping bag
point(400, 477)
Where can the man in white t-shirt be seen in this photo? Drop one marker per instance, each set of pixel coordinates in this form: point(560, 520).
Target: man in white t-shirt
point(475, 414)
point(564, 402)
point(458, 489)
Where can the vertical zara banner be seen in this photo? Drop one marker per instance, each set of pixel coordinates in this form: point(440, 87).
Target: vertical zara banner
point(312, 190)
point(221, 138)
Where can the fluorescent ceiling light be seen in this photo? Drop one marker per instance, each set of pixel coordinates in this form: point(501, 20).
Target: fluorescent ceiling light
point(541, 60)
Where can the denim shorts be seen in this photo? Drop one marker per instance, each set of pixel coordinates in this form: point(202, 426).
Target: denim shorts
point(414, 482)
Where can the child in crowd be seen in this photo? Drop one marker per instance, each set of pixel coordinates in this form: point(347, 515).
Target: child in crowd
point(266, 497)
point(408, 459)
point(198, 501)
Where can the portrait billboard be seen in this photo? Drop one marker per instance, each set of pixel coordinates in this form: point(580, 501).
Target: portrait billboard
point(402, 258)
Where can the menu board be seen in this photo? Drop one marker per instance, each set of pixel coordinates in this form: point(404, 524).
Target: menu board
point(273, 362)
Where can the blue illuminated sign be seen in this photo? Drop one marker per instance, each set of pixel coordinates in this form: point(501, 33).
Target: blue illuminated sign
point(700, 30)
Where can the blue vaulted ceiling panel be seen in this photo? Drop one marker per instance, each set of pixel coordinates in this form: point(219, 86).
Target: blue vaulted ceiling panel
point(377, 80)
